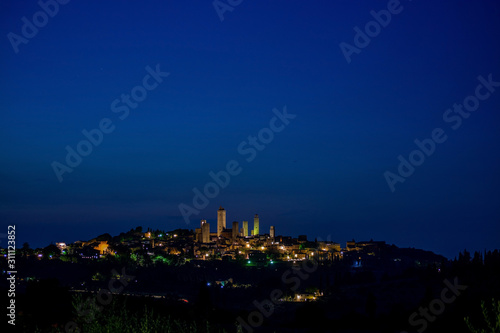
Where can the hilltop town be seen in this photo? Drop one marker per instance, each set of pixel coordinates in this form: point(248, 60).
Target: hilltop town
point(234, 277)
point(250, 247)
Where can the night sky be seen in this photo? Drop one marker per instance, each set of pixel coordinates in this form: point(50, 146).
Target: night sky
point(320, 173)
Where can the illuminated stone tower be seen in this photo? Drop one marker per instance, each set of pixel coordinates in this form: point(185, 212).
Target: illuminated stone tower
point(271, 232)
point(245, 228)
point(221, 220)
point(235, 230)
point(205, 231)
point(256, 225)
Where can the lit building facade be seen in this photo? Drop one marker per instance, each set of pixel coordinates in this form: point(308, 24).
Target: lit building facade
point(221, 220)
point(235, 230)
point(256, 225)
point(205, 231)
point(245, 228)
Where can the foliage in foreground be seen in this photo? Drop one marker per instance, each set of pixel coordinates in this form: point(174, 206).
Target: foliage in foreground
point(491, 318)
point(117, 318)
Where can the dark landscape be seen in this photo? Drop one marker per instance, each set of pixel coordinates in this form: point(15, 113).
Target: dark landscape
point(171, 281)
point(238, 166)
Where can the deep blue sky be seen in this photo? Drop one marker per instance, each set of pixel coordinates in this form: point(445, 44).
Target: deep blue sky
point(321, 176)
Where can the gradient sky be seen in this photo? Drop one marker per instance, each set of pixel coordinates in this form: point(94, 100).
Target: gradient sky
point(323, 175)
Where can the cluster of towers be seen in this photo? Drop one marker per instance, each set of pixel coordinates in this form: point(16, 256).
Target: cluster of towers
point(221, 225)
point(204, 231)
